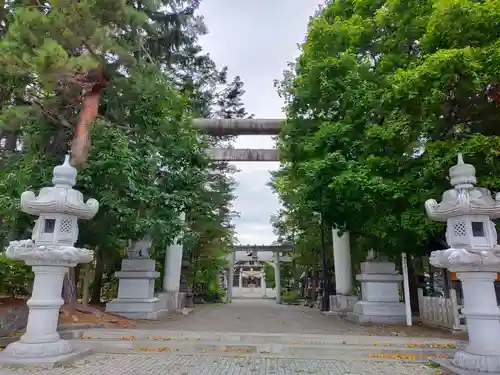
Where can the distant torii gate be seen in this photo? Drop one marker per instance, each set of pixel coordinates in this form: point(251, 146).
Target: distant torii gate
point(254, 249)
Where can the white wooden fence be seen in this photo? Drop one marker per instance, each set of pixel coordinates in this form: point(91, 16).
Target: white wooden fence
point(441, 312)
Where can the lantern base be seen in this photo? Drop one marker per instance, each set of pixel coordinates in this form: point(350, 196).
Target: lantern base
point(448, 368)
point(46, 355)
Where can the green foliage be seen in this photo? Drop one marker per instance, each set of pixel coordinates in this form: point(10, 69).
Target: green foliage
point(16, 278)
point(215, 296)
point(146, 163)
point(269, 275)
point(383, 96)
point(290, 296)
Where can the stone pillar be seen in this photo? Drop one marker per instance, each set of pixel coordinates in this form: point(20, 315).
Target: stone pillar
point(173, 264)
point(240, 280)
point(231, 278)
point(380, 295)
point(277, 277)
point(51, 253)
point(342, 261)
point(171, 298)
point(342, 302)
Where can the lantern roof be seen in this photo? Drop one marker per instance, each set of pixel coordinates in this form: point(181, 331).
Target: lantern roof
point(465, 198)
point(60, 198)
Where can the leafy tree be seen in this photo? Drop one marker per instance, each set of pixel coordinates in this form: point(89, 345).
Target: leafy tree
point(383, 96)
point(146, 164)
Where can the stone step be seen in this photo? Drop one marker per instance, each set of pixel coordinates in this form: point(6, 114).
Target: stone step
point(251, 337)
point(331, 351)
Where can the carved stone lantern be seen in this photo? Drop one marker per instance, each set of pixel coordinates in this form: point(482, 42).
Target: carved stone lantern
point(475, 256)
point(50, 252)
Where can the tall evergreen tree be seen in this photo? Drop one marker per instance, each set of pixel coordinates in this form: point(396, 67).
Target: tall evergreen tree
point(158, 79)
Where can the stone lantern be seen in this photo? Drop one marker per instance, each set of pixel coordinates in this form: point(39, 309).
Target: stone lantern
point(475, 257)
point(50, 252)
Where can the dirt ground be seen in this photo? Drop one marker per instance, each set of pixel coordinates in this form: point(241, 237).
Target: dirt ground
point(77, 315)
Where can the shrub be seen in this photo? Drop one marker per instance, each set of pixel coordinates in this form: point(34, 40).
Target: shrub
point(291, 296)
point(214, 296)
point(16, 278)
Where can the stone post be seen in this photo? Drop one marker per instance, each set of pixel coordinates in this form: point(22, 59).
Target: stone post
point(230, 282)
point(50, 252)
point(240, 280)
point(475, 256)
point(277, 277)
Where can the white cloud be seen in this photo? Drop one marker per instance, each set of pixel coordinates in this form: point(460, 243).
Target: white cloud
point(256, 39)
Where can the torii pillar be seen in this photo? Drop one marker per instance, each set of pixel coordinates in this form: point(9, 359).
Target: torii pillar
point(343, 301)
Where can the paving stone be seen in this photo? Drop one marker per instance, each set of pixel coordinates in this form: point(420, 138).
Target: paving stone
point(161, 364)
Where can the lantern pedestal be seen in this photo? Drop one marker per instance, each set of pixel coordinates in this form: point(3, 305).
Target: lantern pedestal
point(41, 344)
point(379, 295)
point(478, 272)
point(136, 295)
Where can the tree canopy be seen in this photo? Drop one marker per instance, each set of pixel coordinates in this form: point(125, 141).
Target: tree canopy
point(383, 96)
point(147, 164)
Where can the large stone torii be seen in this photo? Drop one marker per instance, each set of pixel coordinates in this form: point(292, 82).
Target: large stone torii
point(235, 127)
point(221, 127)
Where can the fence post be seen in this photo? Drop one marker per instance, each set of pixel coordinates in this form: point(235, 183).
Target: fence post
point(421, 305)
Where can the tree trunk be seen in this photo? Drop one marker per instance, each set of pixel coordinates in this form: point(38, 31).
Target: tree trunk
point(69, 287)
point(97, 284)
point(78, 268)
point(314, 284)
point(413, 283)
point(86, 283)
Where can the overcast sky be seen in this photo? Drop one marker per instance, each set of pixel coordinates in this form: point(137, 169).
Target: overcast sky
point(256, 39)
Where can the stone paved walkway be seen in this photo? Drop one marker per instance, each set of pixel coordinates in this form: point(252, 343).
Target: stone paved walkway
point(249, 316)
point(138, 364)
point(261, 315)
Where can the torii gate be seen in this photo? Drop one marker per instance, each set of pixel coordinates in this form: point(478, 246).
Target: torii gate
point(219, 127)
point(254, 249)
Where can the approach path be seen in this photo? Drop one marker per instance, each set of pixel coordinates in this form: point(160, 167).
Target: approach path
point(262, 315)
point(258, 320)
